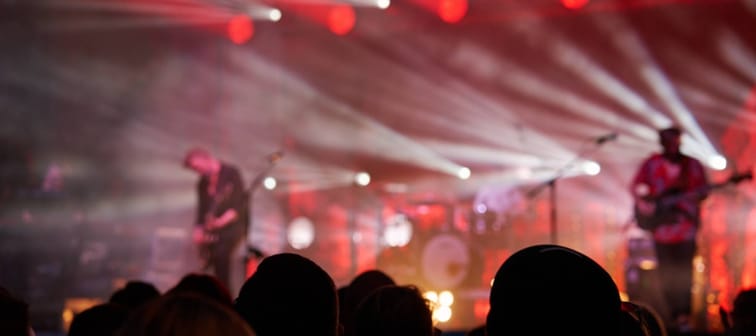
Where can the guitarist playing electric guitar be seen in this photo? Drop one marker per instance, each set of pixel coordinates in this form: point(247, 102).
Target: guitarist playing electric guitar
point(222, 212)
point(674, 227)
point(668, 190)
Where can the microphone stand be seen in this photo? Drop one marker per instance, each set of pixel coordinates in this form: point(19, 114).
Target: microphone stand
point(551, 183)
point(256, 182)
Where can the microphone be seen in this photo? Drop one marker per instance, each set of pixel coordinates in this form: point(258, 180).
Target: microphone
point(607, 137)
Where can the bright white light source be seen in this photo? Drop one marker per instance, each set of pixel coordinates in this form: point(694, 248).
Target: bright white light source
point(481, 208)
point(717, 162)
point(446, 298)
point(464, 173)
point(301, 233)
point(362, 179)
point(270, 183)
point(398, 231)
point(442, 314)
point(275, 15)
point(383, 4)
point(431, 296)
point(591, 168)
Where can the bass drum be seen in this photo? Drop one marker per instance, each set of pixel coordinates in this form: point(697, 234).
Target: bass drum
point(447, 262)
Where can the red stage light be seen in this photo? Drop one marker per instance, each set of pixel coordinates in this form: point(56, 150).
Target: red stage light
point(341, 19)
point(574, 4)
point(240, 29)
point(452, 11)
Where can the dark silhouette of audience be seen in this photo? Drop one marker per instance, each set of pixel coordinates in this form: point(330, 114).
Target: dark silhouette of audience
point(101, 320)
point(640, 320)
point(135, 294)
point(358, 289)
point(394, 311)
point(185, 314)
point(289, 295)
point(14, 315)
point(553, 290)
point(743, 314)
point(539, 290)
point(204, 284)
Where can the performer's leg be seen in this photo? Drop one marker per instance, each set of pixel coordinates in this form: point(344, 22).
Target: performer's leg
point(676, 274)
point(222, 260)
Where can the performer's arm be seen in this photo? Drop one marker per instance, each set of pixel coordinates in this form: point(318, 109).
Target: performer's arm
point(224, 219)
point(641, 190)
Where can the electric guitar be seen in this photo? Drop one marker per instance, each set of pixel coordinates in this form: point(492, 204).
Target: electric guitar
point(652, 212)
point(209, 236)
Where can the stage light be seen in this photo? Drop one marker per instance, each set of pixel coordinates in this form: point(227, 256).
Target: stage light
point(481, 208)
point(431, 296)
point(301, 233)
point(446, 298)
point(463, 173)
point(270, 183)
point(275, 15)
point(341, 19)
point(383, 4)
point(442, 314)
point(362, 179)
point(717, 162)
point(591, 168)
point(452, 11)
point(398, 231)
point(574, 4)
point(240, 29)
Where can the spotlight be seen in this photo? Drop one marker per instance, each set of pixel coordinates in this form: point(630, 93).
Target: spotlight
point(383, 4)
point(717, 162)
point(442, 314)
point(446, 298)
point(574, 4)
point(362, 179)
point(301, 233)
point(398, 231)
point(240, 29)
point(270, 183)
point(431, 296)
point(591, 168)
point(463, 173)
point(275, 15)
point(341, 19)
point(481, 208)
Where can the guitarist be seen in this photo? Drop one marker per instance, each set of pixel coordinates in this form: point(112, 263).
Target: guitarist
point(673, 226)
point(222, 212)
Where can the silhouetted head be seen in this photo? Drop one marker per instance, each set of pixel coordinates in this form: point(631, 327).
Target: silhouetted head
point(361, 287)
point(101, 320)
point(14, 315)
point(135, 294)
point(201, 161)
point(185, 314)
point(394, 311)
point(671, 138)
point(289, 295)
point(206, 285)
point(552, 290)
point(638, 319)
point(744, 312)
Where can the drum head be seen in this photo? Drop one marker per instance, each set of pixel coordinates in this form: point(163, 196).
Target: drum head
point(445, 261)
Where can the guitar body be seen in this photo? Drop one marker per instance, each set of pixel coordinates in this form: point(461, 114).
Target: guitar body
point(652, 213)
point(660, 216)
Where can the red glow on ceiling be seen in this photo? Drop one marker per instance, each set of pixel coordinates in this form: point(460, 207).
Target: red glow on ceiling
point(240, 29)
point(452, 11)
point(574, 4)
point(341, 19)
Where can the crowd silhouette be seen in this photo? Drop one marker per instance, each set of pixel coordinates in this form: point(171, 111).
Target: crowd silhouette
point(539, 290)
